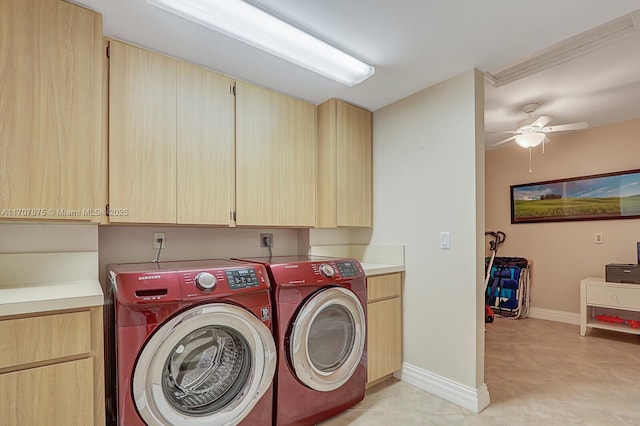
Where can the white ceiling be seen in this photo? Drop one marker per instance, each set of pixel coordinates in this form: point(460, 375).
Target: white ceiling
point(416, 43)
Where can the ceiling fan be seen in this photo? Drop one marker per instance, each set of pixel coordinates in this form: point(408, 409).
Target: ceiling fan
point(533, 131)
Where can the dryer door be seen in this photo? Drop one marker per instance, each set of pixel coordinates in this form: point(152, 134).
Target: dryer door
point(327, 339)
point(208, 365)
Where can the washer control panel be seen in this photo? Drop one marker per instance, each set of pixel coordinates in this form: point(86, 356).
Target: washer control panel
point(136, 284)
point(347, 268)
point(241, 278)
point(219, 281)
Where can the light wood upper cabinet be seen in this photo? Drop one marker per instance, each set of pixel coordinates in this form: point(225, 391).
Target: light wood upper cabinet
point(275, 158)
point(345, 140)
point(50, 110)
point(354, 165)
point(142, 135)
point(205, 146)
point(183, 150)
point(171, 140)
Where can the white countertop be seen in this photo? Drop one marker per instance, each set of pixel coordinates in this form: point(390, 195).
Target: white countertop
point(371, 269)
point(40, 282)
point(54, 296)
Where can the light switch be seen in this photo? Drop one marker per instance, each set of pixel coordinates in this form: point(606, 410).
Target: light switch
point(445, 240)
point(599, 239)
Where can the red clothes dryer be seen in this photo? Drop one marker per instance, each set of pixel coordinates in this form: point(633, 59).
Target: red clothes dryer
point(191, 344)
point(320, 311)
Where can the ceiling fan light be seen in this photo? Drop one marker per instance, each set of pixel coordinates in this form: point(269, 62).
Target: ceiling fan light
point(529, 140)
point(251, 25)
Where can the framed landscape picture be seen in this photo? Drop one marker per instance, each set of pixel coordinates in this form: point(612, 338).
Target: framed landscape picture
point(605, 196)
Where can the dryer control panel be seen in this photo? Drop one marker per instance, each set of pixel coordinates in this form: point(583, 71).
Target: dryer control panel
point(337, 269)
point(304, 270)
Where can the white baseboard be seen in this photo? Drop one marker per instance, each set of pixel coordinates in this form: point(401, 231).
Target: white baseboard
point(472, 399)
point(553, 315)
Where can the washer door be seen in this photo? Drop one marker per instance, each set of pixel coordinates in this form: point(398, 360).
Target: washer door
point(327, 339)
point(208, 365)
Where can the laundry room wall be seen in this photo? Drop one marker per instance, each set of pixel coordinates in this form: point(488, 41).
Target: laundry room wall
point(563, 253)
point(428, 178)
point(135, 243)
point(47, 237)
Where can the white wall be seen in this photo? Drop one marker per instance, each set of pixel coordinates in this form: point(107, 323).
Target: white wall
point(135, 243)
point(428, 178)
point(322, 237)
point(47, 237)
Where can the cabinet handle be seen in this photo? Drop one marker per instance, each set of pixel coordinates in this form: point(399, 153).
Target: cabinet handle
point(615, 298)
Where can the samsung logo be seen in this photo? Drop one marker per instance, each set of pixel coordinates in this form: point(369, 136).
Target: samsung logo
point(149, 277)
point(290, 266)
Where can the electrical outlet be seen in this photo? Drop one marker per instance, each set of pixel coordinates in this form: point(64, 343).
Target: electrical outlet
point(599, 238)
point(159, 236)
point(445, 240)
point(266, 240)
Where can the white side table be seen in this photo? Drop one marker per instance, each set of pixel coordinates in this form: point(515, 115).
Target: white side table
point(598, 297)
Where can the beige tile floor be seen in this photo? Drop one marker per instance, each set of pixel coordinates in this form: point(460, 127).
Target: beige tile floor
point(538, 373)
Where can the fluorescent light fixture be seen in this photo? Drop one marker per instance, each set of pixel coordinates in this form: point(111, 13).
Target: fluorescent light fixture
point(531, 139)
point(256, 27)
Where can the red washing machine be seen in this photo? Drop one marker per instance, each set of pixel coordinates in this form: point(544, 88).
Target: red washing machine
point(320, 310)
point(190, 343)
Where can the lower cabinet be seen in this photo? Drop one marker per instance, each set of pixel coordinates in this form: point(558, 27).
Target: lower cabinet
point(60, 394)
point(384, 326)
point(51, 368)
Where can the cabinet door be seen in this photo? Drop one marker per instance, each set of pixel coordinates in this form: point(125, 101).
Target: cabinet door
point(344, 165)
point(327, 165)
point(275, 159)
point(43, 338)
point(384, 286)
point(354, 168)
point(142, 135)
point(50, 109)
point(59, 394)
point(384, 338)
point(205, 146)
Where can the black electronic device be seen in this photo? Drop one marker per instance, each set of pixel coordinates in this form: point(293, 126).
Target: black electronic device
point(622, 273)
